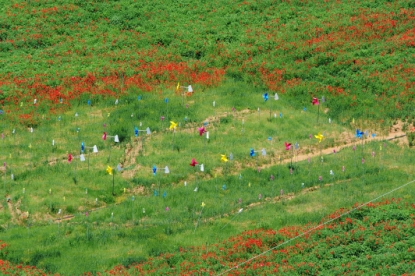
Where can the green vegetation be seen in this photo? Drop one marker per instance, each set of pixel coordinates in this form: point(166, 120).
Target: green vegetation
point(71, 71)
point(121, 233)
point(356, 53)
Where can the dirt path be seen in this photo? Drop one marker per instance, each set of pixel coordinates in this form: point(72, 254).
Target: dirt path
point(17, 216)
point(12, 212)
point(130, 167)
point(396, 134)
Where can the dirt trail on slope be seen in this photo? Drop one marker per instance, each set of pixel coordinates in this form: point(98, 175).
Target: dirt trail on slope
point(17, 216)
point(132, 151)
point(12, 212)
point(396, 133)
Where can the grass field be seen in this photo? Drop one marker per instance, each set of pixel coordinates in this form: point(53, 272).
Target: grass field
point(74, 217)
point(72, 71)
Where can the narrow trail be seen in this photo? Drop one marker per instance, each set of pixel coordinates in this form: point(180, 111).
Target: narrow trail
point(12, 212)
point(17, 216)
point(132, 151)
point(315, 152)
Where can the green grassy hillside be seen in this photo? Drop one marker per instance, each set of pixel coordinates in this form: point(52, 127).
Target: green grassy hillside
point(358, 54)
point(74, 70)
